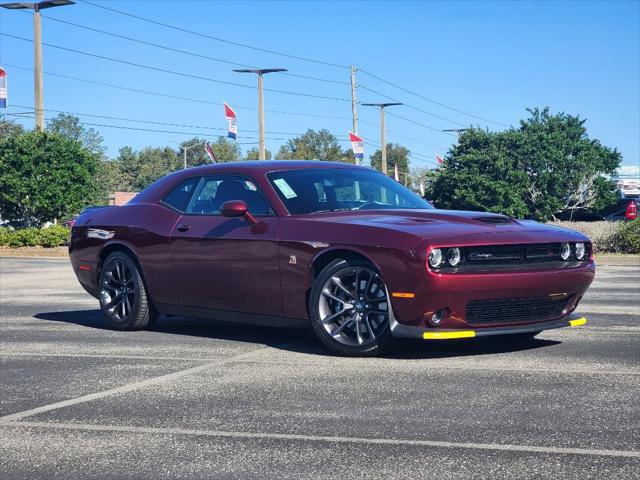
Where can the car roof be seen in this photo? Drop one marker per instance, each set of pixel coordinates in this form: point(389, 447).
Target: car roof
point(159, 189)
point(271, 166)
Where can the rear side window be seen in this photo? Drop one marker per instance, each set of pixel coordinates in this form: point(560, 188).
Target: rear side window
point(214, 191)
point(180, 196)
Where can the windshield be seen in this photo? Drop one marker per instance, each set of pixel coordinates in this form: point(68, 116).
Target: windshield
point(328, 190)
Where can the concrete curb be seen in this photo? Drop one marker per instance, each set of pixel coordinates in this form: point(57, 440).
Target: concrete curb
point(34, 252)
point(618, 260)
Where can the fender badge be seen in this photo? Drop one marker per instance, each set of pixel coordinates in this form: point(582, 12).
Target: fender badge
point(292, 260)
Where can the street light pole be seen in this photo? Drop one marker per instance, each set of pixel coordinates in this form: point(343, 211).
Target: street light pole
point(458, 131)
point(354, 100)
point(37, 50)
point(185, 148)
point(260, 72)
point(383, 137)
point(262, 155)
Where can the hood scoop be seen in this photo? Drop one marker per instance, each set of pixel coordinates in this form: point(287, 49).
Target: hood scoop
point(497, 220)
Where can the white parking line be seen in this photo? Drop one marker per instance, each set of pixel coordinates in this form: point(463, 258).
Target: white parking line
point(106, 355)
point(587, 308)
point(135, 385)
point(435, 364)
point(330, 439)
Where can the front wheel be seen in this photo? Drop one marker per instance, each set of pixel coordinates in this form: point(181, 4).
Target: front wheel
point(350, 310)
point(123, 296)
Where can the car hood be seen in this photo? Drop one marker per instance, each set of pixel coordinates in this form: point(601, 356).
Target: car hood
point(456, 227)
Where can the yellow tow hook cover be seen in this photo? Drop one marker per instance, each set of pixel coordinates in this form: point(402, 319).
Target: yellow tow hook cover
point(577, 322)
point(448, 335)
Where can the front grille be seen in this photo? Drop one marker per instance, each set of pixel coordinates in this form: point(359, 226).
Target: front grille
point(513, 310)
point(500, 254)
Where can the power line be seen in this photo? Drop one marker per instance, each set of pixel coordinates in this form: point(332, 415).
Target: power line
point(430, 99)
point(150, 122)
point(439, 147)
point(415, 155)
point(175, 97)
point(177, 50)
point(210, 37)
point(172, 72)
point(123, 127)
point(413, 107)
point(219, 39)
point(429, 127)
point(228, 62)
point(243, 65)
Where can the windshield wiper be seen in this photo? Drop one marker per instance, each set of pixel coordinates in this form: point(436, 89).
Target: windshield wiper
point(332, 210)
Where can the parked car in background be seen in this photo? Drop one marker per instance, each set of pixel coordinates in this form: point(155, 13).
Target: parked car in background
point(625, 209)
point(343, 248)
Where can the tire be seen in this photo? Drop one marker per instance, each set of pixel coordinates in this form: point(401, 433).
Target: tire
point(351, 321)
point(124, 300)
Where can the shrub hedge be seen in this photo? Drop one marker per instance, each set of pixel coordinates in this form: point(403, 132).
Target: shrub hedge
point(54, 236)
point(607, 237)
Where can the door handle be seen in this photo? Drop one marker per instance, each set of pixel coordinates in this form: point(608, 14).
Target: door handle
point(183, 227)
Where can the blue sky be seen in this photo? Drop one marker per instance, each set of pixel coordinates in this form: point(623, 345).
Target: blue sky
point(490, 59)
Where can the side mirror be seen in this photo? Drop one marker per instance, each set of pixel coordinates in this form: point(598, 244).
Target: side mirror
point(237, 208)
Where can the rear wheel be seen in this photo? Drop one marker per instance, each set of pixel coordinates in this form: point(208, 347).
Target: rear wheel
point(123, 295)
point(350, 310)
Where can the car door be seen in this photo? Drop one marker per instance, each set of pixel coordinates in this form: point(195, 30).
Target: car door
point(223, 263)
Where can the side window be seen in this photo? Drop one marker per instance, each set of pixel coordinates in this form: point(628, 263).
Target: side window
point(215, 191)
point(180, 196)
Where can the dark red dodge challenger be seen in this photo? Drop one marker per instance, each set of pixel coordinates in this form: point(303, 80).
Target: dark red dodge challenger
point(343, 247)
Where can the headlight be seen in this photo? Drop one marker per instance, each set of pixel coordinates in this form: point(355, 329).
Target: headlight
point(580, 250)
point(454, 257)
point(435, 257)
point(565, 251)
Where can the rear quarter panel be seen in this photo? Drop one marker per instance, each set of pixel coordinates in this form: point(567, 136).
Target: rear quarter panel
point(142, 228)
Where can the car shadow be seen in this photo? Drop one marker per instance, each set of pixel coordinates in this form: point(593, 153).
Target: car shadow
point(303, 340)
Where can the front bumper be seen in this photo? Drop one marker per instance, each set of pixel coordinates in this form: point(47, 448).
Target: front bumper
point(407, 331)
point(415, 295)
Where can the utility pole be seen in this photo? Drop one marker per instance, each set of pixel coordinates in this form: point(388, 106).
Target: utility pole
point(37, 50)
point(383, 138)
point(37, 79)
point(354, 100)
point(260, 72)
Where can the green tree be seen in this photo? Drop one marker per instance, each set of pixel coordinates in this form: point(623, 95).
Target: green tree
point(140, 169)
point(69, 126)
point(45, 176)
point(545, 167)
point(111, 178)
point(314, 145)
point(254, 154)
point(196, 154)
point(9, 128)
point(396, 154)
point(226, 150)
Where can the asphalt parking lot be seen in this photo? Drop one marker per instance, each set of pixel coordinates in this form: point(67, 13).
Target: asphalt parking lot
point(196, 398)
